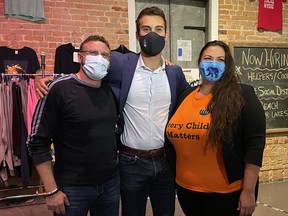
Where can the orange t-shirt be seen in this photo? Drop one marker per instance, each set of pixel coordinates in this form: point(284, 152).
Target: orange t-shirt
point(198, 166)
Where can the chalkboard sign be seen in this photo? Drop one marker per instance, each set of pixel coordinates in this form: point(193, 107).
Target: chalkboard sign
point(266, 68)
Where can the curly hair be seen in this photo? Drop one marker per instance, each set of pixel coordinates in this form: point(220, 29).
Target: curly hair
point(227, 100)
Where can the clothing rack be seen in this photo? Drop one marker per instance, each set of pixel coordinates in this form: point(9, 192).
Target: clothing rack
point(22, 74)
point(19, 188)
point(22, 196)
point(31, 74)
point(40, 187)
point(37, 194)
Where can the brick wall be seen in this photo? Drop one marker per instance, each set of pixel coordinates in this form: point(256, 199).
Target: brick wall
point(67, 21)
point(238, 23)
point(275, 165)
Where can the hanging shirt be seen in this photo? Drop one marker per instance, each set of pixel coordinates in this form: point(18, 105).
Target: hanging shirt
point(270, 15)
point(64, 59)
point(22, 60)
point(20, 135)
point(31, 104)
point(6, 123)
point(32, 10)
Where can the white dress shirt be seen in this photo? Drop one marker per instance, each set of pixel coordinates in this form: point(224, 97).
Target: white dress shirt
point(147, 107)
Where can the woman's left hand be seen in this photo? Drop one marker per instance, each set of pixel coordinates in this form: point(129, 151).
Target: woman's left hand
point(246, 204)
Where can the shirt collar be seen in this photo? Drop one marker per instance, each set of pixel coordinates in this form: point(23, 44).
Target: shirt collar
point(141, 64)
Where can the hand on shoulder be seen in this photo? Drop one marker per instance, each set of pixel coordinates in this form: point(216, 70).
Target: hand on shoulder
point(41, 87)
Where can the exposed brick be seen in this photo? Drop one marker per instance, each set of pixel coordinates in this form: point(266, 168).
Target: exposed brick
point(119, 9)
point(275, 165)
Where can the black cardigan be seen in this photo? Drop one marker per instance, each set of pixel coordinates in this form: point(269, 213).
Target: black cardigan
point(249, 137)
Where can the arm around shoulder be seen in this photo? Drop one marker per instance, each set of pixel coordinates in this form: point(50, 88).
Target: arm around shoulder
point(41, 87)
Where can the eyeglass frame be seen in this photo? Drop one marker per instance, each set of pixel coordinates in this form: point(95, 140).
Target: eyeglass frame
point(96, 53)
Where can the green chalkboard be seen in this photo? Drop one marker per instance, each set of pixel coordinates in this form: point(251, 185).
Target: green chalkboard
point(265, 67)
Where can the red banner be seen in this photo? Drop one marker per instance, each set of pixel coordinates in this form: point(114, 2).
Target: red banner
point(270, 15)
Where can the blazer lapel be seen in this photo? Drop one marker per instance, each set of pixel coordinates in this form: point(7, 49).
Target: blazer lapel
point(127, 76)
point(172, 79)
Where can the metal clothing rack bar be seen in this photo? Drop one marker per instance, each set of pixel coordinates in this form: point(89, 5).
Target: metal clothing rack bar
point(40, 188)
point(20, 188)
point(23, 196)
point(28, 75)
point(2, 74)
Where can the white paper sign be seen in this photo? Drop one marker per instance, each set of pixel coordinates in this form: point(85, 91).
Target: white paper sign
point(184, 50)
point(75, 57)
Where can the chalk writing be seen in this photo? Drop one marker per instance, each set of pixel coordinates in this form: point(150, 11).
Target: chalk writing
point(266, 69)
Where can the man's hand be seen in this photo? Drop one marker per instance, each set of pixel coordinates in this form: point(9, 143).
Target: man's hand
point(57, 202)
point(167, 62)
point(41, 86)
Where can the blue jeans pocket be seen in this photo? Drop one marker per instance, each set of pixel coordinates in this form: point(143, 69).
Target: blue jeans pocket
point(127, 159)
point(100, 199)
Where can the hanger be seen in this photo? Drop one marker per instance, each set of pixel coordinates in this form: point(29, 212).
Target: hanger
point(74, 39)
point(122, 49)
point(14, 43)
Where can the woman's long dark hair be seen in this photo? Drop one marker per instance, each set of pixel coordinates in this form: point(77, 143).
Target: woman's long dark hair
point(227, 101)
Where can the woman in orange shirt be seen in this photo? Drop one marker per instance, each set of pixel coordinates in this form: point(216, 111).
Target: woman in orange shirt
point(216, 138)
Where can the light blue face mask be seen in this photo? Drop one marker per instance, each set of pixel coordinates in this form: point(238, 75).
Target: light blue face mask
point(95, 67)
point(211, 71)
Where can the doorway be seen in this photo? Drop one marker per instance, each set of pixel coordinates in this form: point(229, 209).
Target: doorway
point(186, 27)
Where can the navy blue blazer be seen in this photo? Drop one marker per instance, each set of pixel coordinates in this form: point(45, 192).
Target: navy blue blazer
point(120, 74)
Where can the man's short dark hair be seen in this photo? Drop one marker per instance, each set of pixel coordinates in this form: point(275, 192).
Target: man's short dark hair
point(150, 11)
point(94, 38)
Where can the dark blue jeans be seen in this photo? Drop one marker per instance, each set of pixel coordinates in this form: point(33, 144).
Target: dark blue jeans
point(142, 177)
point(99, 200)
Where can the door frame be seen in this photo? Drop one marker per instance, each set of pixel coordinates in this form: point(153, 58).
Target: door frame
point(212, 26)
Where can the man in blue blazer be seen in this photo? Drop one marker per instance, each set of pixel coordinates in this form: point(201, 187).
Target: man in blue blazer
point(146, 91)
point(121, 71)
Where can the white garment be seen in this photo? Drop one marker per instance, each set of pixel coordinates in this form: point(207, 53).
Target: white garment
point(146, 108)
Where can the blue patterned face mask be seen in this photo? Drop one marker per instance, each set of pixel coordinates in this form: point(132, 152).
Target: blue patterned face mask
point(211, 71)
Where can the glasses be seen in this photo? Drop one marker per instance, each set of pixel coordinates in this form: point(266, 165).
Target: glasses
point(96, 53)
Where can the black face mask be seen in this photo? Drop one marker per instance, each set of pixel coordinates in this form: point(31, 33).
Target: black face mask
point(152, 44)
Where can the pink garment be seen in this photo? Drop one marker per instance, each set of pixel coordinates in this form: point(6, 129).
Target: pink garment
point(31, 104)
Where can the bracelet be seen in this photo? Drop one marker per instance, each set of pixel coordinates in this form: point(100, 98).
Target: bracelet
point(51, 192)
